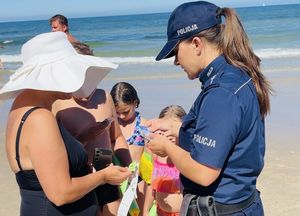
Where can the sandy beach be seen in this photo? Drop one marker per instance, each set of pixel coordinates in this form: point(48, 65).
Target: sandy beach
point(161, 85)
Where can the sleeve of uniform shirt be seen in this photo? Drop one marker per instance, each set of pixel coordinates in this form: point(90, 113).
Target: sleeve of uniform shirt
point(218, 123)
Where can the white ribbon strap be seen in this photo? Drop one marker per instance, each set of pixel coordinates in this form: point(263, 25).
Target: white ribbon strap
point(130, 193)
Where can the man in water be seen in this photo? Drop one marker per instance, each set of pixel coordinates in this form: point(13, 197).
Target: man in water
point(60, 23)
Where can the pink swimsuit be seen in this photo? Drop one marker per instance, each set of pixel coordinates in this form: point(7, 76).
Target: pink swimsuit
point(165, 178)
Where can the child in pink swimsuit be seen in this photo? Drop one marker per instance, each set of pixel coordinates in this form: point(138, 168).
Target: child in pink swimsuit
point(165, 177)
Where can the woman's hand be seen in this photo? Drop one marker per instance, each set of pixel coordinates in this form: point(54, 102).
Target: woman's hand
point(168, 127)
point(115, 175)
point(158, 144)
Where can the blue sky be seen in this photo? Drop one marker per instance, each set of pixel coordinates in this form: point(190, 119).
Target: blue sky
point(12, 10)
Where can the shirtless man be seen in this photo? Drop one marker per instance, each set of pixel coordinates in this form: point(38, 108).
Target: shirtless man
point(82, 117)
point(60, 23)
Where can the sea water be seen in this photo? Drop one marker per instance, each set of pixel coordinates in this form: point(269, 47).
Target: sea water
point(136, 39)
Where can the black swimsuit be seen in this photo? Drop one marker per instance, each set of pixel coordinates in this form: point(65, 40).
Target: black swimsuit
point(34, 201)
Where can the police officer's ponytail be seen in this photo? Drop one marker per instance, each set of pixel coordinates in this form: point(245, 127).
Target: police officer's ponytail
point(232, 41)
point(237, 50)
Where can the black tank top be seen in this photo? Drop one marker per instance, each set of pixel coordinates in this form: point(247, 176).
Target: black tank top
point(28, 181)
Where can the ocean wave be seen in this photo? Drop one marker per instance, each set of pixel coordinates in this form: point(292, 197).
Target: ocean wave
point(277, 53)
point(118, 60)
point(7, 41)
point(271, 53)
point(10, 58)
point(137, 60)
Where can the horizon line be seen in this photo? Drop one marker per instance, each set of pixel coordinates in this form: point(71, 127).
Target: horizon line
point(81, 16)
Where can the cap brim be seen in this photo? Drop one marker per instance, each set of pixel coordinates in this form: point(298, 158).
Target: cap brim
point(167, 50)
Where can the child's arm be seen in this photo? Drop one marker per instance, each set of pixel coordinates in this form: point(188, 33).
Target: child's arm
point(149, 199)
point(119, 144)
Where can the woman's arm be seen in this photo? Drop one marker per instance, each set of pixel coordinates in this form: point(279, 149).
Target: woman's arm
point(49, 158)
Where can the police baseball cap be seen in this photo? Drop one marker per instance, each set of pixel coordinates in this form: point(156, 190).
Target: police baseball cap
point(187, 20)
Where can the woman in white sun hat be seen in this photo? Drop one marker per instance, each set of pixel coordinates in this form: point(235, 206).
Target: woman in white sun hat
point(50, 165)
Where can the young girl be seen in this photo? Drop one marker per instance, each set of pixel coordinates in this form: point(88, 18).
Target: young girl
point(165, 177)
point(126, 101)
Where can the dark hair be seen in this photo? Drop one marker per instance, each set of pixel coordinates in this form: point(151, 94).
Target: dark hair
point(232, 41)
point(61, 19)
point(175, 111)
point(124, 93)
point(82, 48)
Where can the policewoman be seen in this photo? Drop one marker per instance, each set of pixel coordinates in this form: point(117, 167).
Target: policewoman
point(221, 140)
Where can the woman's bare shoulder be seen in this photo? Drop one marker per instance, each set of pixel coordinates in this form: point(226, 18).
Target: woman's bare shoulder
point(39, 121)
point(41, 115)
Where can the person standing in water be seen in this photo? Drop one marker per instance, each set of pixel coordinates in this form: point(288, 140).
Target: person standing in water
point(60, 23)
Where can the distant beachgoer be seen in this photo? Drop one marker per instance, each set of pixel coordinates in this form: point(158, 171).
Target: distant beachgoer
point(82, 118)
point(49, 163)
point(222, 138)
point(60, 23)
point(1, 65)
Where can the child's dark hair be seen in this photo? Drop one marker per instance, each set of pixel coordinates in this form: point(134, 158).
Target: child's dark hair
point(175, 111)
point(124, 93)
point(82, 48)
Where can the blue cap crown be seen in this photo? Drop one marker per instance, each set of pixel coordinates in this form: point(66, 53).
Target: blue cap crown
point(187, 20)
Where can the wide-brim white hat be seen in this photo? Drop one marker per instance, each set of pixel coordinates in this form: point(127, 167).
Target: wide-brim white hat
point(50, 63)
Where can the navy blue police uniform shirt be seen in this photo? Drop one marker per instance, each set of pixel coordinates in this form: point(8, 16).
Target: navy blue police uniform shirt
point(224, 130)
